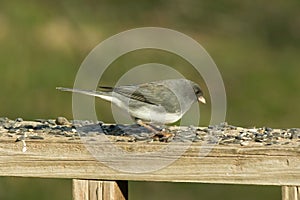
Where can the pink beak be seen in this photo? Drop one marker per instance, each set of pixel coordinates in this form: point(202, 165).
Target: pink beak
point(201, 99)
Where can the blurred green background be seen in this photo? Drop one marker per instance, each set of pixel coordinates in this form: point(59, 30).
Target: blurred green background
point(255, 44)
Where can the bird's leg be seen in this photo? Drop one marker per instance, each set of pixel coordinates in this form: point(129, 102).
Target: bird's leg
point(146, 125)
point(161, 135)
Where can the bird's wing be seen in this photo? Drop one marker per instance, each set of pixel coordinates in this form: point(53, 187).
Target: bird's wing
point(155, 94)
point(131, 92)
point(106, 88)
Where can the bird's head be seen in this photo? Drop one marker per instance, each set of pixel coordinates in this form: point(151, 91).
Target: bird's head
point(199, 93)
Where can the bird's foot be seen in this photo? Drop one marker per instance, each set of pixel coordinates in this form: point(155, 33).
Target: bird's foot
point(163, 136)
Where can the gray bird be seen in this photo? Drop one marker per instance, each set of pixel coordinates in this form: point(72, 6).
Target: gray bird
point(161, 102)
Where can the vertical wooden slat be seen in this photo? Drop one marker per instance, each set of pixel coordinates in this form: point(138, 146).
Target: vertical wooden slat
point(99, 190)
point(290, 192)
point(115, 190)
point(95, 190)
point(80, 188)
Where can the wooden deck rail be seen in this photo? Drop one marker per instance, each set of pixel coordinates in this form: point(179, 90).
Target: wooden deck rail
point(54, 156)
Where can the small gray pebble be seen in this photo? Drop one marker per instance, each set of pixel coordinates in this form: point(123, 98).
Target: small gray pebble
point(62, 121)
point(3, 119)
point(232, 127)
point(19, 119)
point(35, 137)
point(244, 143)
point(7, 125)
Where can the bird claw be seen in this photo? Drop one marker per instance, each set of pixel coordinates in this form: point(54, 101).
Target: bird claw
point(163, 136)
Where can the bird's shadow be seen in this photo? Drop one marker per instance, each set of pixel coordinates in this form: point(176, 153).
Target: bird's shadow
point(135, 131)
point(115, 130)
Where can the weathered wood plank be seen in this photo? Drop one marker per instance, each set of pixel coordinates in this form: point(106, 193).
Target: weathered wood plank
point(262, 156)
point(99, 190)
point(290, 193)
point(59, 157)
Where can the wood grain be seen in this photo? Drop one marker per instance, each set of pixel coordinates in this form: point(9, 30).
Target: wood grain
point(290, 193)
point(99, 190)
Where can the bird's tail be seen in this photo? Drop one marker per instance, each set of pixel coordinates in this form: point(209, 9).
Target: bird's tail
point(82, 91)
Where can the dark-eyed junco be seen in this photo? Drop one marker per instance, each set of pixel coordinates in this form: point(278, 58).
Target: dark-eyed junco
point(162, 102)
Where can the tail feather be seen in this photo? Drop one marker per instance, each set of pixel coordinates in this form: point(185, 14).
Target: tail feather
point(82, 91)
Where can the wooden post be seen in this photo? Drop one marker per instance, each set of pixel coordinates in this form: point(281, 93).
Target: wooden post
point(99, 190)
point(290, 192)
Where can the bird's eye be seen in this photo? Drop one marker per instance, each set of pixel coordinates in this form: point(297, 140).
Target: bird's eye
point(197, 91)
